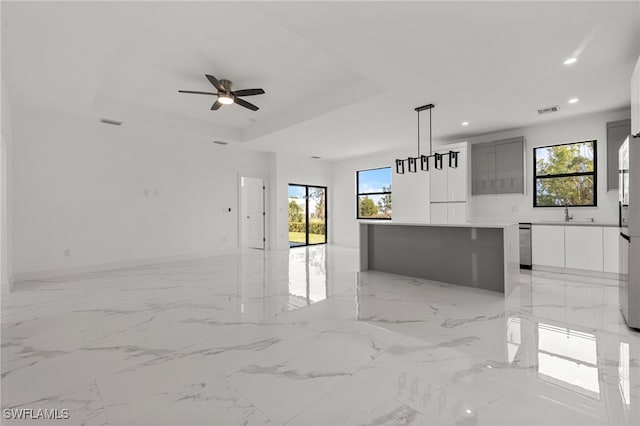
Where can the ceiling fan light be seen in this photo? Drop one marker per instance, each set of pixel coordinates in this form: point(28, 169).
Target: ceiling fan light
point(225, 99)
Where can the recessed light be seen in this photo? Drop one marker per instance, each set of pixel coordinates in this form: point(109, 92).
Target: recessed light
point(468, 411)
point(465, 123)
point(315, 157)
point(573, 100)
point(570, 61)
point(220, 142)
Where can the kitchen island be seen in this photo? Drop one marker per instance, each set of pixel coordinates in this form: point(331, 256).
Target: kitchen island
point(480, 255)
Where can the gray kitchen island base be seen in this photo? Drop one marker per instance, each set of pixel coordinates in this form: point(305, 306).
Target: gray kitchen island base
point(474, 255)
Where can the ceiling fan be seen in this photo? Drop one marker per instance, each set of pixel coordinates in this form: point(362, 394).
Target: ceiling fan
point(226, 96)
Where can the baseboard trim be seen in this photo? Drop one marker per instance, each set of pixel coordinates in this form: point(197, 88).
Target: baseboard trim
point(571, 271)
point(17, 279)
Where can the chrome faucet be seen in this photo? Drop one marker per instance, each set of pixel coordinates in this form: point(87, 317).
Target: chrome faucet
point(567, 216)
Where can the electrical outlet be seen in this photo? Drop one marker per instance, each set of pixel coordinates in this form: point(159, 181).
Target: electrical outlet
point(66, 252)
point(146, 192)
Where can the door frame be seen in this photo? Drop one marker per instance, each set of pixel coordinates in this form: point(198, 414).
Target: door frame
point(306, 201)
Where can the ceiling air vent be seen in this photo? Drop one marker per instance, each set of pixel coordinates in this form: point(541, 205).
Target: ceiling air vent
point(112, 122)
point(221, 143)
point(549, 110)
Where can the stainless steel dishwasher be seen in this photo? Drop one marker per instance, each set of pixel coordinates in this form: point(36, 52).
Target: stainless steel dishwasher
point(525, 245)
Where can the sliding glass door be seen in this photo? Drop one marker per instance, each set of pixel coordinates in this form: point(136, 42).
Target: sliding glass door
point(317, 217)
point(307, 215)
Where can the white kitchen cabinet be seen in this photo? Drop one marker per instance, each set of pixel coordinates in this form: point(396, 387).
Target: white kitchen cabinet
point(439, 213)
point(610, 248)
point(583, 247)
point(457, 177)
point(456, 212)
point(449, 187)
point(547, 245)
point(449, 212)
point(438, 181)
point(450, 184)
point(635, 100)
point(591, 248)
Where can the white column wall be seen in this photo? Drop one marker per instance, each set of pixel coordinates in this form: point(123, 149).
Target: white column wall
point(6, 224)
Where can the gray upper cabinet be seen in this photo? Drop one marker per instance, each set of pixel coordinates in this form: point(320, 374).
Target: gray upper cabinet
point(497, 167)
point(483, 169)
point(510, 166)
point(617, 132)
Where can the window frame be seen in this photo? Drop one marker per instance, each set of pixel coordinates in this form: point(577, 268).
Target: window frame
point(561, 175)
point(358, 194)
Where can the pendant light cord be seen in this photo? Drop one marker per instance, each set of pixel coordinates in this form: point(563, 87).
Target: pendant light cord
point(430, 148)
point(418, 134)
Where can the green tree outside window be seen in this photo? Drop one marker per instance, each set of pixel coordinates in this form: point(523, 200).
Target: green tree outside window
point(565, 174)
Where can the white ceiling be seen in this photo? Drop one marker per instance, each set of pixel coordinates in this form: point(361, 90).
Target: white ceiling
point(342, 78)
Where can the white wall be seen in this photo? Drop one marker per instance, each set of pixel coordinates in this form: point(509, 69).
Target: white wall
point(518, 207)
point(119, 194)
point(409, 194)
point(6, 228)
point(302, 170)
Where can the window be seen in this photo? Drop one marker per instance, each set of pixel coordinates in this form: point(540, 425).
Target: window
point(565, 174)
point(374, 194)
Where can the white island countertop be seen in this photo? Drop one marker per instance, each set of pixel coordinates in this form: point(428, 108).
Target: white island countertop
point(439, 225)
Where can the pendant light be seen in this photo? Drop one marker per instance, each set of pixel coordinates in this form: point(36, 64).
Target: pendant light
point(412, 162)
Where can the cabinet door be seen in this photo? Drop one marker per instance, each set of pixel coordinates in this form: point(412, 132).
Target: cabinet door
point(439, 213)
point(483, 169)
point(610, 246)
point(509, 164)
point(635, 100)
point(583, 247)
point(456, 212)
point(547, 245)
point(617, 132)
point(457, 178)
point(438, 179)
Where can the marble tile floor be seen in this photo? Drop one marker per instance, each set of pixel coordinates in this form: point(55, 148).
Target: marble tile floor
point(298, 337)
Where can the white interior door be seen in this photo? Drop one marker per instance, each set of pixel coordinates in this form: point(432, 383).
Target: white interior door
point(252, 212)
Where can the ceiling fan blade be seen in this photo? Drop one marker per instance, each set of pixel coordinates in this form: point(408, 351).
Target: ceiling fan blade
point(248, 92)
point(216, 105)
point(197, 93)
point(215, 82)
point(246, 104)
